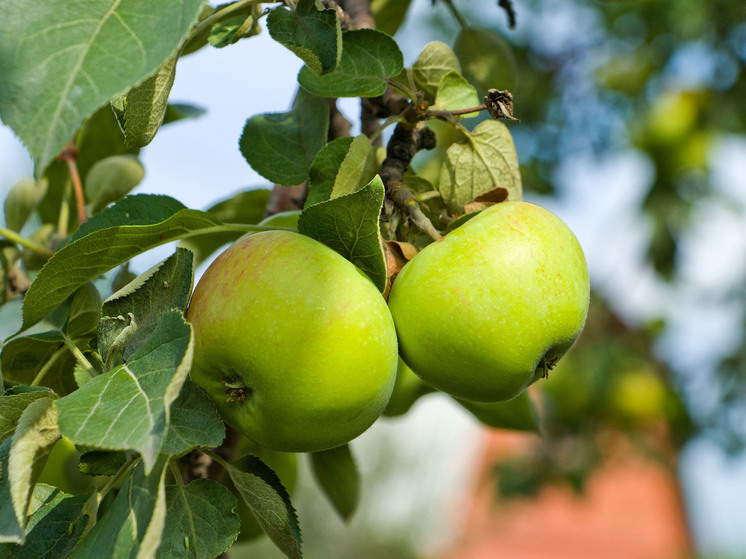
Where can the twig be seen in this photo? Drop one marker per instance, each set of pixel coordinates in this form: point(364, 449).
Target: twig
point(360, 13)
point(447, 115)
point(286, 198)
point(507, 5)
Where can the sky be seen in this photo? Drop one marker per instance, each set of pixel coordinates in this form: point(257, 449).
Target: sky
point(198, 162)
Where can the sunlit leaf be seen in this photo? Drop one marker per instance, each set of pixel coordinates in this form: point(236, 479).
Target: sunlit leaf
point(62, 59)
point(349, 225)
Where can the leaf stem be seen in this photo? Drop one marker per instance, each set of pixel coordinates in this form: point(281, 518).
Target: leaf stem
point(237, 228)
point(48, 365)
point(75, 350)
point(446, 115)
point(388, 122)
point(456, 15)
point(403, 89)
point(115, 478)
point(64, 216)
point(23, 241)
point(176, 473)
point(218, 16)
point(69, 155)
point(216, 457)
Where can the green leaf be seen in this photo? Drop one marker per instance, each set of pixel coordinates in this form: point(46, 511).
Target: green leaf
point(201, 520)
point(140, 111)
point(281, 146)
point(133, 525)
point(194, 422)
point(53, 529)
point(12, 406)
point(389, 14)
point(358, 168)
point(22, 459)
point(62, 59)
point(128, 408)
point(486, 59)
point(144, 300)
point(369, 58)
point(455, 93)
point(349, 225)
point(241, 25)
point(245, 207)
point(180, 111)
point(265, 495)
point(460, 220)
point(122, 277)
point(101, 462)
point(21, 201)
point(140, 209)
point(487, 160)
point(434, 62)
point(22, 359)
point(85, 309)
point(518, 413)
point(110, 179)
point(336, 472)
point(108, 245)
point(324, 170)
point(313, 35)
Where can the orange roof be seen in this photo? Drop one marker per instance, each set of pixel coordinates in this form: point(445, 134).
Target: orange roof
point(630, 510)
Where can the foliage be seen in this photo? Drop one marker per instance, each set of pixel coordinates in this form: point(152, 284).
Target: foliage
point(107, 369)
point(85, 86)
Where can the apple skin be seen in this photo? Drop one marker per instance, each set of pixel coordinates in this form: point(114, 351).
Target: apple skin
point(296, 346)
point(491, 307)
point(61, 469)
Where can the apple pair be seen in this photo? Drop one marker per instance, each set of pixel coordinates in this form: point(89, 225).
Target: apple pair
point(299, 349)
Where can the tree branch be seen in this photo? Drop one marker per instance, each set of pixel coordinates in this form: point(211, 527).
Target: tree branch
point(406, 141)
point(360, 13)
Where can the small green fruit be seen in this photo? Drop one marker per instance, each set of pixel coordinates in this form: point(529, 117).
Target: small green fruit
point(407, 390)
point(295, 345)
point(491, 308)
point(61, 469)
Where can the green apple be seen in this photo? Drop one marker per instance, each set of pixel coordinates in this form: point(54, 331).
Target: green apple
point(639, 396)
point(61, 469)
point(296, 346)
point(491, 307)
point(407, 390)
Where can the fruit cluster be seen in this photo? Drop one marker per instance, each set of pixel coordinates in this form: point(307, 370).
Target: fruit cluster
point(300, 350)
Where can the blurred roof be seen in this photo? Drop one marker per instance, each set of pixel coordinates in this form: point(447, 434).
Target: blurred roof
point(630, 510)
